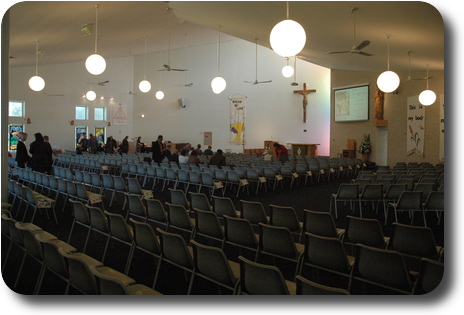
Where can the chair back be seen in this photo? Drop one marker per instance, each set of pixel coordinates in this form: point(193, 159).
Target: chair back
point(207, 223)
point(98, 219)
point(81, 214)
point(364, 231)
point(178, 197)
point(319, 223)
point(254, 212)
point(385, 268)
point(224, 206)
point(119, 228)
point(178, 217)
point(277, 240)
point(430, 276)
point(285, 217)
point(155, 210)
point(107, 181)
point(435, 201)
point(326, 252)
point(260, 279)
point(410, 200)
point(213, 263)
point(145, 237)
point(133, 186)
point(174, 248)
point(136, 206)
point(413, 240)
point(372, 191)
point(239, 231)
point(200, 201)
point(307, 287)
point(348, 191)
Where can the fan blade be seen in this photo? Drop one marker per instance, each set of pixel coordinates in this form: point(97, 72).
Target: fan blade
point(249, 81)
point(364, 53)
point(362, 45)
point(269, 81)
point(178, 69)
point(338, 52)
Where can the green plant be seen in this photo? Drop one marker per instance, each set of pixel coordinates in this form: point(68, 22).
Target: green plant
point(365, 146)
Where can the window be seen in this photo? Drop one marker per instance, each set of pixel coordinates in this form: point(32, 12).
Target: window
point(99, 113)
point(16, 109)
point(81, 112)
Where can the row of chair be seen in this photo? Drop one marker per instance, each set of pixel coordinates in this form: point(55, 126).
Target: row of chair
point(397, 196)
point(76, 269)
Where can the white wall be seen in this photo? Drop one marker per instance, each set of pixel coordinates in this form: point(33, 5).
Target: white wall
point(274, 112)
point(51, 115)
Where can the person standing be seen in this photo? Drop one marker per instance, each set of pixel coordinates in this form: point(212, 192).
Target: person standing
point(42, 155)
point(22, 157)
point(218, 159)
point(93, 144)
point(83, 143)
point(158, 148)
point(124, 148)
point(281, 152)
point(109, 146)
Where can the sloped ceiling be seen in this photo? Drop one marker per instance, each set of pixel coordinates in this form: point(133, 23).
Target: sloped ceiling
point(123, 25)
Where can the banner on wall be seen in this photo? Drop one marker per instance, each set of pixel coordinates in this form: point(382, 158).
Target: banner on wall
point(442, 128)
point(237, 119)
point(119, 116)
point(415, 127)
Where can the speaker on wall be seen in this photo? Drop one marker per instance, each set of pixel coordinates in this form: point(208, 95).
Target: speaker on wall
point(182, 102)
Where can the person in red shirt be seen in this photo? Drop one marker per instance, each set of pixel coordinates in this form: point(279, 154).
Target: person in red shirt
point(281, 152)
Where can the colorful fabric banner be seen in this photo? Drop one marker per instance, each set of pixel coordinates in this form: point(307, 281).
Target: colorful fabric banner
point(415, 127)
point(237, 120)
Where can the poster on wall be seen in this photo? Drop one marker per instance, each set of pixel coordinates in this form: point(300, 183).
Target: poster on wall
point(415, 127)
point(14, 131)
point(80, 130)
point(100, 134)
point(237, 119)
point(442, 128)
point(119, 116)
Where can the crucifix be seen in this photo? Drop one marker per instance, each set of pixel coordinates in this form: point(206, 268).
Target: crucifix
point(304, 92)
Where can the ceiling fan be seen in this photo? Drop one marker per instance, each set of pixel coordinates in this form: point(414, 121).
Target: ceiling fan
point(186, 47)
point(99, 83)
point(256, 80)
point(167, 67)
point(409, 79)
point(355, 49)
point(48, 94)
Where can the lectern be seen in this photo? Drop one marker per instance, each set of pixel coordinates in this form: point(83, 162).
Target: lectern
point(304, 149)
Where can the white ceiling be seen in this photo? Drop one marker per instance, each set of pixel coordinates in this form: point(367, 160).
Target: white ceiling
point(123, 25)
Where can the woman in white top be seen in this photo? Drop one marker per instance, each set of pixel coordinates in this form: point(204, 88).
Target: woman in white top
point(183, 157)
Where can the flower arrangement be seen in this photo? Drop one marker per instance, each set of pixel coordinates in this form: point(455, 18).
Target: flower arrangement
point(365, 147)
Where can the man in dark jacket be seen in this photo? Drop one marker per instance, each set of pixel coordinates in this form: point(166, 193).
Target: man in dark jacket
point(157, 149)
point(218, 159)
point(21, 151)
point(42, 155)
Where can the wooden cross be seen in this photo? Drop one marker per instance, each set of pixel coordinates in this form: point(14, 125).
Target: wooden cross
point(304, 92)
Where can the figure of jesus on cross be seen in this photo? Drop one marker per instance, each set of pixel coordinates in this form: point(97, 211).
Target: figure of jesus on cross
point(304, 92)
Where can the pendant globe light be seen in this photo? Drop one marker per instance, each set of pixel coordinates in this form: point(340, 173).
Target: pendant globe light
point(145, 85)
point(427, 97)
point(218, 84)
point(95, 64)
point(36, 83)
point(287, 71)
point(90, 95)
point(288, 37)
point(388, 81)
point(159, 94)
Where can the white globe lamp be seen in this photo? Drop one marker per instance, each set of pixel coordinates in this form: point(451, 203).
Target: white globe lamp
point(388, 81)
point(144, 86)
point(287, 71)
point(91, 95)
point(427, 97)
point(36, 83)
point(218, 84)
point(159, 95)
point(95, 64)
point(287, 38)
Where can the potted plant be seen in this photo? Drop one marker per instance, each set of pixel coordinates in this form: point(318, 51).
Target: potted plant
point(365, 147)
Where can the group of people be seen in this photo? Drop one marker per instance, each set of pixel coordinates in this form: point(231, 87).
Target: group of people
point(41, 151)
point(188, 154)
point(91, 145)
